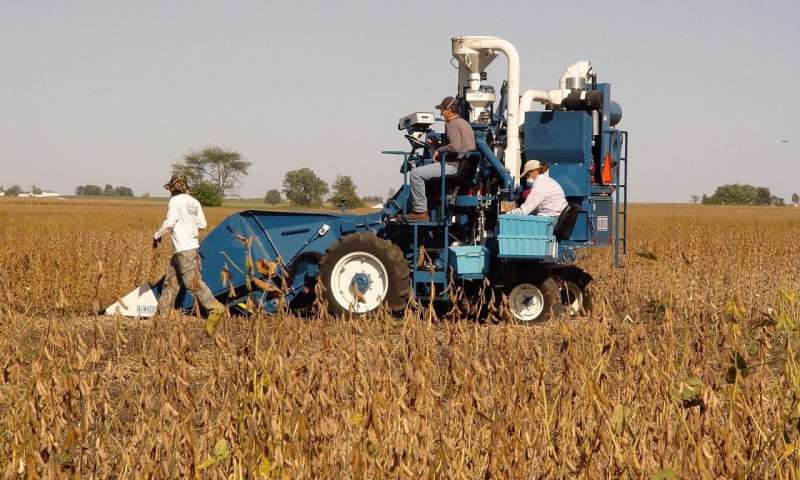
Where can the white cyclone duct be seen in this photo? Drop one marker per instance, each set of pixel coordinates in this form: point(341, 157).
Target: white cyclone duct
point(474, 54)
point(575, 76)
point(541, 96)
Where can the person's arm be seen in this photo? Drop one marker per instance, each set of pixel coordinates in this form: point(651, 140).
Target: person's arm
point(535, 198)
point(201, 218)
point(171, 220)
point(454, 140)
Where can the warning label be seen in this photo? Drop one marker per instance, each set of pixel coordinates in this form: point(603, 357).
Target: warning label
point(602, 224)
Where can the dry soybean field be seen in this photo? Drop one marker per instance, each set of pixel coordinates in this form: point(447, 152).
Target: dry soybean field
point(687, 367)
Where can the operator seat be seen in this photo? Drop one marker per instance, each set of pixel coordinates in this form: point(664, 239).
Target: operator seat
point(467, 166)
point(566, 221)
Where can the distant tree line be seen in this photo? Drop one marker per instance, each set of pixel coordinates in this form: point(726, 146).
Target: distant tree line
point(98, 191)
point(372, 199)
point(12, 191)
point(303, 188)
point(215, 172)
point(742, 194)
point(16, 191)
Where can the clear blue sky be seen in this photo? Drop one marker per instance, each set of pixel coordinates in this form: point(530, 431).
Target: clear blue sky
point(113, 92)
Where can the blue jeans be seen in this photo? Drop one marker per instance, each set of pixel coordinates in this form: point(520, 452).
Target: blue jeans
point(419, 176)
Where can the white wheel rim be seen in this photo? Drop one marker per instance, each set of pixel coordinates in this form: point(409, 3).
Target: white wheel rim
point(575, 293)
point(526, 302)
point(348, 285)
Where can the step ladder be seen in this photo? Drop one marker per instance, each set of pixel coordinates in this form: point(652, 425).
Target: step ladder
point(621, 205)
point(424, 277)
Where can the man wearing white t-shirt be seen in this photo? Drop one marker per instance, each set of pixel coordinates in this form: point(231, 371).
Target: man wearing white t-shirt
point(184, 219)
point(546, 197)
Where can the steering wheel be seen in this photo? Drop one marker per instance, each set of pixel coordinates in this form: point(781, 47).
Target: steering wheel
point(414, 141)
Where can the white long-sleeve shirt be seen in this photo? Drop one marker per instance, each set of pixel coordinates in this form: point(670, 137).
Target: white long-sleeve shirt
point(546, 199)
point(185, 217)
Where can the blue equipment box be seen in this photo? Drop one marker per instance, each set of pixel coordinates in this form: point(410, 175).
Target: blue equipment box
point(470, 261)
point(524, 236)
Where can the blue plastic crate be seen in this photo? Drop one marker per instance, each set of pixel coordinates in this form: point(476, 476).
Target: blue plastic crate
point(522, 236)
point(470, 261)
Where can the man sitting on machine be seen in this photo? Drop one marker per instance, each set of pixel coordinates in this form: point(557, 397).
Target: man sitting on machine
point(460, 140)
point(546, 197)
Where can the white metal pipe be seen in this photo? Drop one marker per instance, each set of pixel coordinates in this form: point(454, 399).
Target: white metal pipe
point(544, 97)
point(530, 96)
point(512, 152)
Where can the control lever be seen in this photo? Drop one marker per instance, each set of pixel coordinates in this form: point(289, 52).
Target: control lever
point(414, 141)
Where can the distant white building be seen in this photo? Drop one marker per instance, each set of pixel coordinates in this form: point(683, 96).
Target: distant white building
point(43, 194)
point(48, 194)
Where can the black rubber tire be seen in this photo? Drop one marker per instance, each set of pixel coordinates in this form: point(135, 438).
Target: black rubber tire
point(389, 254)
point(551, 294)
point(303, 300)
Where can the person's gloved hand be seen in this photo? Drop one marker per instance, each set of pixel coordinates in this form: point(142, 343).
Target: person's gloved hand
point(156, 241)
point(516, 211)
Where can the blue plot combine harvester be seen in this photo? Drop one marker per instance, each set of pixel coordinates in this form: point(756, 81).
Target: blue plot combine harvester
point(469, 244)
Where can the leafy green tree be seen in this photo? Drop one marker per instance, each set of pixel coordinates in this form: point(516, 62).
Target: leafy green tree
point(344, 193)
point(108, 191)
point(13, 191)
point(123, 192)
point(88, 190)
point(273, 197)
point(304, 188)
point(795, 198)
point(207, 194)
point(741, 194)
point(215, 165)
point(36, 190)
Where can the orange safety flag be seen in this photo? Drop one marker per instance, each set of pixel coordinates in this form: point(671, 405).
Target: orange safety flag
point(607, 177)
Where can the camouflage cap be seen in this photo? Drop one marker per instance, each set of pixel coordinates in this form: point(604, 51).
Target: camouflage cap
point(178, 183)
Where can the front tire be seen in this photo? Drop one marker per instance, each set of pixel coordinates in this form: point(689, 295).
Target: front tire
point(361, 272)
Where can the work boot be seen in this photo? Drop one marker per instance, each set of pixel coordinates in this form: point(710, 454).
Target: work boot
point(214, 316)
point(412, 217)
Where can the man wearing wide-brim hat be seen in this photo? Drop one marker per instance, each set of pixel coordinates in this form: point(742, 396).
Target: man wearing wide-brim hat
point(184, 219)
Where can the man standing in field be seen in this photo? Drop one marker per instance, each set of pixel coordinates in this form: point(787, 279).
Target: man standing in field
point(184, 218)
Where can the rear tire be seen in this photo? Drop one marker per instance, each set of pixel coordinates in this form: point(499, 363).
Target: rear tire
point(361, 272)
point(578, 301)
point(534, 301)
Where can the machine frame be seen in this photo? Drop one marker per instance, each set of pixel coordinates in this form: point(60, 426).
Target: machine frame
point(265, 259)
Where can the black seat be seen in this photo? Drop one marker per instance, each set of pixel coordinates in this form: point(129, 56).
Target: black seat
point(566, 221)
point(467, 167)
